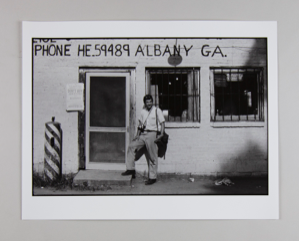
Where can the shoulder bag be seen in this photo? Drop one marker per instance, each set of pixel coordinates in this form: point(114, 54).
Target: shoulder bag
point(162, 143)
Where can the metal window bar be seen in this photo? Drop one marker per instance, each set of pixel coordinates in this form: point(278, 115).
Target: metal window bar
point(246, 97)
point(222, 103)
point(261, 79)
point(253, 114)
point(168, 91)
point(231, 94)
point(161, 91)
point(239, 99)
point(174, 88)
point(194, 97)
point(199, 98)
point(156, 91)
point(260, 93)
point(177, 97)
point(193, 93)
point(214, 92)
point(257, 81)
point(181, 80)
point(263, 88)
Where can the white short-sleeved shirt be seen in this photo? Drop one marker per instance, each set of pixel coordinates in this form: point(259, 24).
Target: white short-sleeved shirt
point(150, 119)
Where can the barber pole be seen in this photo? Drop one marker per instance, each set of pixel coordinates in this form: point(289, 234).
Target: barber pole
point(52, 160)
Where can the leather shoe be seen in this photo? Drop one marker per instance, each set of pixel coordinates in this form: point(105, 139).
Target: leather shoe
point(150, 181)
point(129, 172)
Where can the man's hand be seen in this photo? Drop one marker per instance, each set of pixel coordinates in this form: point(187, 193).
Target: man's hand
point(158, 138)
point(137, 135)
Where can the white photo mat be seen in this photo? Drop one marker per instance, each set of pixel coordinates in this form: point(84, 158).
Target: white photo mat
point(149, 207)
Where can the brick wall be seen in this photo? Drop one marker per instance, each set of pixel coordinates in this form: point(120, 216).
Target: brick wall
point(239, 149)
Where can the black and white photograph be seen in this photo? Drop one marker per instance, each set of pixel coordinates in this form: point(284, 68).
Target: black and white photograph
point(154, 116)
point(101, 106)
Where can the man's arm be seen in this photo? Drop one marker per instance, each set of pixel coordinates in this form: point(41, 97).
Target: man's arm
point(138, 132)
point(162, 131)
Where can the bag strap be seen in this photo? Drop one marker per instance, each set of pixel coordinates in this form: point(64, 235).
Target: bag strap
point(158, 129)
point(157, 121)
point(148, 115)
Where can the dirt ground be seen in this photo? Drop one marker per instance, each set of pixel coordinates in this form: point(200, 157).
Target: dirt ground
point(165, 185)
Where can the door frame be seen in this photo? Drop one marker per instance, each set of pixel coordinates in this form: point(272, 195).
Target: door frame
point(130, 113)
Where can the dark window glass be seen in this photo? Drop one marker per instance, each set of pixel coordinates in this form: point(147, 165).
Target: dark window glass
point(176, 92)
point(238, 94)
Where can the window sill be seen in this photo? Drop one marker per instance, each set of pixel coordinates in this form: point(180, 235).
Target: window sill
point(182, 125)
point(238, 124)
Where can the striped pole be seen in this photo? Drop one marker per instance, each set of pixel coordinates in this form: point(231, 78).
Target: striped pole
point(52, 160)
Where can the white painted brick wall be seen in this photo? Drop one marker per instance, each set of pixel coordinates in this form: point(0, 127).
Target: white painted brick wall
point(203, 150)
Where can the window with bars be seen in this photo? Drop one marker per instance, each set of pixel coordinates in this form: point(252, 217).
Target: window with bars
point(237, 94)
point(176, 92)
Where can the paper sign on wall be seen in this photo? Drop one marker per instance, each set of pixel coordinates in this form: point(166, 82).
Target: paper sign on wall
point(74, 97)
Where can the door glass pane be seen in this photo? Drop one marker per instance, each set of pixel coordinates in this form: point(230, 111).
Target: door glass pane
point(108, 101)
point(107, 147)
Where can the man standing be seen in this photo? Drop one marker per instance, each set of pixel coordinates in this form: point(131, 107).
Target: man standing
point(150, 122)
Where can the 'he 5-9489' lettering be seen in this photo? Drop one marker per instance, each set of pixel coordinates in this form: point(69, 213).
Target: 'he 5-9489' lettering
point(87, 50)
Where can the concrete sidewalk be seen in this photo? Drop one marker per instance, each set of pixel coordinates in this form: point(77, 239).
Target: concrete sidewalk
point(165, 185)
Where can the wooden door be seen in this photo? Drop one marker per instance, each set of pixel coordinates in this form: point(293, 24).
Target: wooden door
point(107, 119)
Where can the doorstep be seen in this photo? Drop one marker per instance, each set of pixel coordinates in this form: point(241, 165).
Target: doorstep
point(95, 178)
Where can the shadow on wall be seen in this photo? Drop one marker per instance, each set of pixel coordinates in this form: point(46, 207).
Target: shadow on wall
point(258, 53)
point(258, 57)
point(252, 161)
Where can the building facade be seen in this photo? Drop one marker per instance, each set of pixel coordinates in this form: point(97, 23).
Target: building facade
point(213, 94)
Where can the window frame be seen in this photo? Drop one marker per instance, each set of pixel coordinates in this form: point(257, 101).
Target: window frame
point(259, 118)
point(195, 71)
